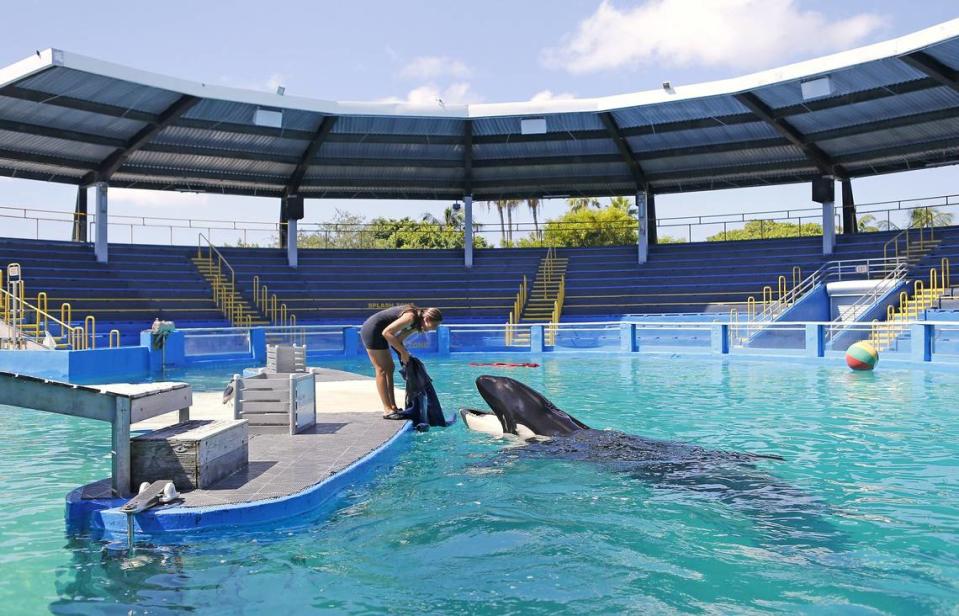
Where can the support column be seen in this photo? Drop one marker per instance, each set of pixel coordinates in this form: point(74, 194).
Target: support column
point(100, 245)
point(828, 227)
point(824, 191)
point(651, 217)
point(642, 237)
point(849, 222)
point(120, 454)
point(81, 221)
point(291, 255)
point(283, 223)
point(468, 231)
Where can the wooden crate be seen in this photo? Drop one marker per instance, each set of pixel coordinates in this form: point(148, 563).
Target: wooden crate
point(195, 454)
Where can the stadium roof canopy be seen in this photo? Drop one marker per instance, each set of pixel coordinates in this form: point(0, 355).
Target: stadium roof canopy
point(886, 107)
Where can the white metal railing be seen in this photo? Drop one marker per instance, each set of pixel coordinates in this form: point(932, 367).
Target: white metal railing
point(852, 313)
point(831, 271)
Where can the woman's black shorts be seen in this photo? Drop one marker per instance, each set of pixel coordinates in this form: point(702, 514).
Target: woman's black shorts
point(372, 336)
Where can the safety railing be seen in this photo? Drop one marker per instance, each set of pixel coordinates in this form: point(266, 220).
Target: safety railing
point(514, 316)
point(911, 242)
point(773, 306)
point(270, 305)
point(16, 313)
point(852, 313)
point(222, 278)
point(884, 334)
point(557, 312)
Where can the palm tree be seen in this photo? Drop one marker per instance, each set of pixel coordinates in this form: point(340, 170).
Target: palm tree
point(581, 203)
point(534, 205)
point(867, 223)
point(511, 204)
point(929, 217)
point(499, 205)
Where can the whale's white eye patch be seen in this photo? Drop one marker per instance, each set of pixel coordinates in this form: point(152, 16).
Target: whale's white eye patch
point(524, 433)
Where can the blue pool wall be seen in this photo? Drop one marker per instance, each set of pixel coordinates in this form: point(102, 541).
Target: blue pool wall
point(936, 342)
point(89, 366)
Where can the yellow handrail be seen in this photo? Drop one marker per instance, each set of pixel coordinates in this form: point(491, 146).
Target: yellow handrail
point(117, 338)
point(944, 264)
point(66, 316)
point(767, 296)
point(75, 340)
point(797, 275)
point(750, 308)
point(41, 312)
point(90, 331)
point(781, 287)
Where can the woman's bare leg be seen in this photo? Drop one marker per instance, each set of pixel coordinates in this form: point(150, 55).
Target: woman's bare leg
point(383, 363)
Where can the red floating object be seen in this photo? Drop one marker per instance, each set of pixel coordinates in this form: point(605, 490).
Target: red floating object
point(504, 364)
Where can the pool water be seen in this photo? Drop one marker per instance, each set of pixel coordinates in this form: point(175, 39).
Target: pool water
point(465, 524)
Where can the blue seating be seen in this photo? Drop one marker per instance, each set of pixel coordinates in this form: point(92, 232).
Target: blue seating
point(143, 282)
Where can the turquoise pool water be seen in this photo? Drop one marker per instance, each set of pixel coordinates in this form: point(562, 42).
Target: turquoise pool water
point(463, 525)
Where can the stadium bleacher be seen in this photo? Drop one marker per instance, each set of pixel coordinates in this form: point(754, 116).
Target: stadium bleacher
point(143, 282)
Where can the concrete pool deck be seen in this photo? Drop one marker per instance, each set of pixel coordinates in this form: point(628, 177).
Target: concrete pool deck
point(286, 475)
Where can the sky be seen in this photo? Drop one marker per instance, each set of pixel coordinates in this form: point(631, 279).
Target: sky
point(490, 51)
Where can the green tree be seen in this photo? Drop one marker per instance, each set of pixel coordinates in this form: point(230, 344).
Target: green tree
point(766, 229)
point(409, 233)
point(608, 226)
point(623, 203)
point(669, 239)
point(344, 231)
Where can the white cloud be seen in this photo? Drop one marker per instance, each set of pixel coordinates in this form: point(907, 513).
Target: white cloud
point(544, 96)
point(432, 67)
point(430, 94)
point(156, 199)
point(741, 34)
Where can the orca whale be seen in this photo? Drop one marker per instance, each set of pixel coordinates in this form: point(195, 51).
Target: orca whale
point(729, 476)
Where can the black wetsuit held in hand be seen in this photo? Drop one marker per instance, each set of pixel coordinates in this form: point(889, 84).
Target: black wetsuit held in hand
point(422, 406)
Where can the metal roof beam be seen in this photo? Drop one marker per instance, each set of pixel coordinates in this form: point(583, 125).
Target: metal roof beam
point(784, 128)
point(862, 158)
point(113, 162)
point(296, 178)
point(228, 154)
point(77, 104)
point(924, 63)
point(59, 133)
point(635, 169)
point(888, 123)
point(46, 159)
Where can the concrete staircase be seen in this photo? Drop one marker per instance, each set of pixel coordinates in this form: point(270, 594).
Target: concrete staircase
point(237, 310)
point(541, 301)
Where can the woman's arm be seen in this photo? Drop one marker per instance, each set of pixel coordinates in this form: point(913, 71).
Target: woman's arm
point(395, 338)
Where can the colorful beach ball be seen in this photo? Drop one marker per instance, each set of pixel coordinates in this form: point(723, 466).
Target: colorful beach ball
point(862, 356)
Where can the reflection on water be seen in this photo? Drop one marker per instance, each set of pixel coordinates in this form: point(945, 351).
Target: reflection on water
point(861, 516)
